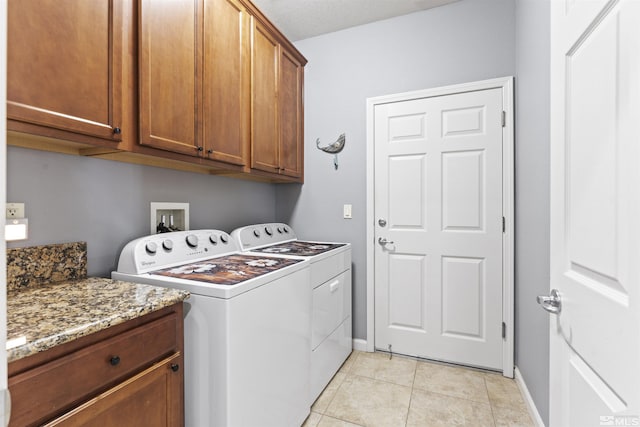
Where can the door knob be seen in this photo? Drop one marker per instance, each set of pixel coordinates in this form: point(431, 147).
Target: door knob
point(551, 303)
point(384, 241)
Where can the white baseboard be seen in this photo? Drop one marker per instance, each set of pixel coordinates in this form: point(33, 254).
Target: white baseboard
point(359, 344)
point(533, 411)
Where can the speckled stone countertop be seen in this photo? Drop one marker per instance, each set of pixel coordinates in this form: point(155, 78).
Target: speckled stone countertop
point(42, 317)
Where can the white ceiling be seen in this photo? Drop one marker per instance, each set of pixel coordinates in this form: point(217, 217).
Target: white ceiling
point(301, 19)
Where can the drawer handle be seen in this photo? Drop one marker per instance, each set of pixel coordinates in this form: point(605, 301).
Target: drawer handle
point(175, 367)
point(114, 360)
point(334, 286)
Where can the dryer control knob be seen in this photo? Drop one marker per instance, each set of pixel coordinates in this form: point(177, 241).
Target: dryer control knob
point(256, 233)
point(192, 240)
point(269, 231)
point(213, 239)
point(151, 247)
point(286, 229)
point(279, 230)
point(224, 238)
point(167, 244)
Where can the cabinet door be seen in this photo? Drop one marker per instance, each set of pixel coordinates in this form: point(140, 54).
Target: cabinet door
point(64, 65)
point(226, 86)
point(169, 63)
point(290, 115)
point(151, 398)
point(264, 70)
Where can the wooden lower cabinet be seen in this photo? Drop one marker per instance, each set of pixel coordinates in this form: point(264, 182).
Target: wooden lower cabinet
point(127, 375)
point(151, 398)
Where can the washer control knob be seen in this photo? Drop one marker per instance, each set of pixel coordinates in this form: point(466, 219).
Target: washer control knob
point(286, 229)
point(256, 233)
point(192, 240)
point(224, 238)
point(279, 230)
point(167, 245)
point(213, 239)
point(151, 247)
point(269, 231)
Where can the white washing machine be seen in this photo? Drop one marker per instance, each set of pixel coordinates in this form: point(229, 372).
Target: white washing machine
point(330, 265)
point(247, 326)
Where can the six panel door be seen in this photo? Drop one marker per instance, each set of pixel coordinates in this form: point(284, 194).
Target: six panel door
point(438, 186)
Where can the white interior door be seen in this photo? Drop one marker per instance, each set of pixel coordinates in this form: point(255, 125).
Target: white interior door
point(595, 212)
point(438, 205)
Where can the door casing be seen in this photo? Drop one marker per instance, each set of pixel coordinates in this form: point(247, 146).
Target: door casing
point(506, 84)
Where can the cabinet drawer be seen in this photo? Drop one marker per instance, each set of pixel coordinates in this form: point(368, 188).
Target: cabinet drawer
point(331, 305)
point(64, 382)
point(150, 398)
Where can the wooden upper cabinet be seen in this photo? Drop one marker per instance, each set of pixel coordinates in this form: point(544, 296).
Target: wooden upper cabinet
point(264, 111)
point(277, 112)
point(291, 118)
point(169, 63)
point(203, 85)
point(227, 84)
point(64, 67)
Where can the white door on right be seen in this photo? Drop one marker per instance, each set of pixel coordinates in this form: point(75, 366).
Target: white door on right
point(595, 213)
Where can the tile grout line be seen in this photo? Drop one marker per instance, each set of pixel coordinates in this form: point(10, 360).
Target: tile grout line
point(454, 397)
point(346, 375)
point(493, 416)
point(413, 382)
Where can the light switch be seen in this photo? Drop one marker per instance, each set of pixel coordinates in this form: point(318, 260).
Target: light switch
point(347, 211)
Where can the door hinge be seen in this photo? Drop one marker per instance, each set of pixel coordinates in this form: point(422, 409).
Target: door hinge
point(504, 118)
point(504, 225)
point(504, 330)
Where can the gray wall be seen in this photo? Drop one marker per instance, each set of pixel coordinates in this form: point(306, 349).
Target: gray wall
point(465, 41)
point(106, 203)
point(532, 197)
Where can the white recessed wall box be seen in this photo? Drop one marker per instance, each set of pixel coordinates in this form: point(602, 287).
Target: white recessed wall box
point(166, 217)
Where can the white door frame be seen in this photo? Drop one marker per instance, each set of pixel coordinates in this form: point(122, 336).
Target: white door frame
point(506, 84)
point(4, 388)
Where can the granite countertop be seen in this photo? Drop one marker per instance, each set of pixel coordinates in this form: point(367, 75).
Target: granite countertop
point(48, 315)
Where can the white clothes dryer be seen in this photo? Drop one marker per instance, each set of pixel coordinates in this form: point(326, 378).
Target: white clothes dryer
point(330, 265)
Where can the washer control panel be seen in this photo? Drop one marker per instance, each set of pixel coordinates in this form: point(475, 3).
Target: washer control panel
point(167, 249)
point(258, 235)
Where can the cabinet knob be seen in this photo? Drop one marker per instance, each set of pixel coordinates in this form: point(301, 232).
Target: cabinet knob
point(209, 151)
point(175, 367)
point(114, 360)
point(200, 148)
point(117, 131)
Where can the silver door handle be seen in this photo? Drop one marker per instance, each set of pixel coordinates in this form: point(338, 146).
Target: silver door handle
point(551, 303)
point(384, 241)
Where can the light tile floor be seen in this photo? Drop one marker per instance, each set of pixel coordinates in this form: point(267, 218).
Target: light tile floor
point(370, 390)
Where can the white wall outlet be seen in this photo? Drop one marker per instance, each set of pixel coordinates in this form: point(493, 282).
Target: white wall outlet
point(346, 211)
point(15, 210)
